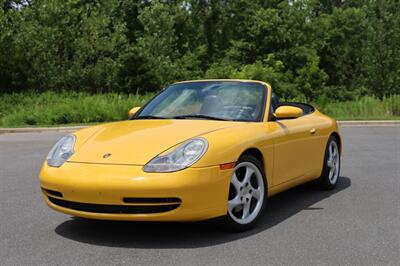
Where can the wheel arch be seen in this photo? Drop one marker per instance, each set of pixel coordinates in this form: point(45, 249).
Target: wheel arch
point(256, 153)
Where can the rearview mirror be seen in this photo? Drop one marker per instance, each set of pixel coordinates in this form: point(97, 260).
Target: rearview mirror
point(133, 111)
point(284, 112)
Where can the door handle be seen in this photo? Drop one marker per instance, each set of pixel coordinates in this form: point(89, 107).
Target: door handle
point(312, 131)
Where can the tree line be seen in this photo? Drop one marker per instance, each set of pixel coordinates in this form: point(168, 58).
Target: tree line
point(330, 49)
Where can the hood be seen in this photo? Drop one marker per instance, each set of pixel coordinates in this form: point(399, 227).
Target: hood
point(136, 142)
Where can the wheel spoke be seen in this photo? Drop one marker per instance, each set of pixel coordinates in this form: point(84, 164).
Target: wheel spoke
point(235, 182)
point(331, 172)
point(233, 203)
point(334, 155)
point(331, 148)
point(249, 173)
point(336, 168)
point(246, 210)
point(256, 194)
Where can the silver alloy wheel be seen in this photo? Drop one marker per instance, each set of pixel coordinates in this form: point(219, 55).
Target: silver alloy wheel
point(246, 194)
point(333, 162)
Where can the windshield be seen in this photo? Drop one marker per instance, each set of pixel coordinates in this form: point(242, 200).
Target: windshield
point(219, 100)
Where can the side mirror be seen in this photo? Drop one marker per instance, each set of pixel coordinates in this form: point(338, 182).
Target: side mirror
point(284, 112)
point(133, 111)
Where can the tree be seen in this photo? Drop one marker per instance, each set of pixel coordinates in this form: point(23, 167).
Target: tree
point(382, 52)
point(305, 48)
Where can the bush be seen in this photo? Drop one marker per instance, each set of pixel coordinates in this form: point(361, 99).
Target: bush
point(366, 107)
point(50, 108)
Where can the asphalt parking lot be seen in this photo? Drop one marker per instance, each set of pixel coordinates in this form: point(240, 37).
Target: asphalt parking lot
point(357, 223)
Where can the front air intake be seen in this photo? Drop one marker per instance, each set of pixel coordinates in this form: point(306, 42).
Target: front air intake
point(113, 209)
point(152, 200)
point(53, 192)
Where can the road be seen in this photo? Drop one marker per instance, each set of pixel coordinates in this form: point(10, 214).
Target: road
point(357, 223)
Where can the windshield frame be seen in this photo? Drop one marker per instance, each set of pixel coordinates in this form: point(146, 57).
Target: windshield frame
point(260, 118)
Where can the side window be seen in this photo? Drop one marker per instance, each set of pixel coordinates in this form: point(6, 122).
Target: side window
point(274, 101)
point(274, 105)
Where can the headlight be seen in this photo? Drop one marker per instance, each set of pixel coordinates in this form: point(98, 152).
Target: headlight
point(61, 151)
point(180, 158)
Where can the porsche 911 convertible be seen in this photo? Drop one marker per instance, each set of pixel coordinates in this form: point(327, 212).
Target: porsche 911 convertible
point(197, 150)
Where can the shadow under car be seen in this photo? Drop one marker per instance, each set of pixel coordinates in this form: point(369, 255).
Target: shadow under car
point(196, 234)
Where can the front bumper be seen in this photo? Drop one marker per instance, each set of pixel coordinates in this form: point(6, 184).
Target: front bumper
point(93, 190)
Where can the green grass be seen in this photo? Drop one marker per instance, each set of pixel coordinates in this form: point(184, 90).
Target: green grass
point(64, 108)
point(72, 108)
point(365, 108)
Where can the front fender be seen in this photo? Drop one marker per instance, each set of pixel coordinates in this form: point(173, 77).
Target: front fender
point(227, 145)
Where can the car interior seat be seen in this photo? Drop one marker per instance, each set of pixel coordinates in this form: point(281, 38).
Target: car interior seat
point(211, 104)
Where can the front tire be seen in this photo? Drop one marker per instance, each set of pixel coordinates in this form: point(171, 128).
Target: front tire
point(331, 169)
point(247, 194)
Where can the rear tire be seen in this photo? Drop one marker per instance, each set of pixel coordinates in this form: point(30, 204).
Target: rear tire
point(331, 169)
point(247, 194)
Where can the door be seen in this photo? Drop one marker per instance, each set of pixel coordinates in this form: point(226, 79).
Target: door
point(294, 149)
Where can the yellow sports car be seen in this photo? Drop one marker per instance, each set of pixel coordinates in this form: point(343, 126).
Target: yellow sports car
point(197, 150)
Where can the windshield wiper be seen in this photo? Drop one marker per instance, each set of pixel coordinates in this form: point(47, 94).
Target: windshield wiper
point(199, 116)
point(147, 117)
point(179, 117)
